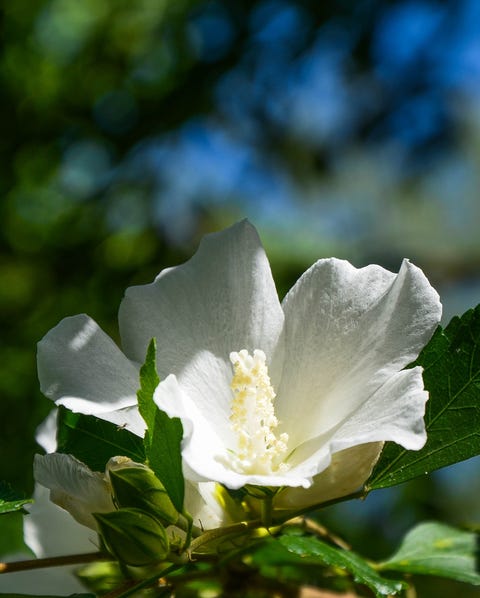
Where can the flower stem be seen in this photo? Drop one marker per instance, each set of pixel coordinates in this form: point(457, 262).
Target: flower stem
point(266, 513)
point(222, 532)
point(55, 561)
point(283, 515)
point(189, 528)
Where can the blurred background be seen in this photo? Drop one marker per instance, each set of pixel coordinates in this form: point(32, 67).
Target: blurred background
point(130, 129)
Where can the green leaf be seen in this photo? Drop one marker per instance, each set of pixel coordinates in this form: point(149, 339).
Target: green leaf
point(11, 501)
point(307, 551)
point(437, 549)
point(451, 363)
point(164, 434)
point(11, 535)
point(94, 441)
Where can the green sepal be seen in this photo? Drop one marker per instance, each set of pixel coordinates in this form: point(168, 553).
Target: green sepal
point(139, 487)
point(133, 537)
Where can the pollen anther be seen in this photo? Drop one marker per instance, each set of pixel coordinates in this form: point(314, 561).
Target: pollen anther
point(252, 418)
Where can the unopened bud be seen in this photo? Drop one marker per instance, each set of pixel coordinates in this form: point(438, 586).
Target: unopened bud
point(133, 536)
point(135, 485)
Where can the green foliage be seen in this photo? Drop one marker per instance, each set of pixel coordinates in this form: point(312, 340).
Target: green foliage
point(94, 441)
point(11, 535)
point(451, 363)
point(10, 501)
point(308, 551)
point(164, 434)
point(436, 549)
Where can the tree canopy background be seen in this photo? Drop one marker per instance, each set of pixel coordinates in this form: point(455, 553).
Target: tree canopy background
point(131, 129)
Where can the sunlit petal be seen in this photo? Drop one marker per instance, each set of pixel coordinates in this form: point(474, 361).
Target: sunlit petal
point(80, 367)
point(223, 299)
point(348, 331)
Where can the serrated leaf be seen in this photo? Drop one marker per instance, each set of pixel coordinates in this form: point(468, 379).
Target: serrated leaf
point(11, 501)
point(307, 551)
point(437, 549)
point(164, 434)
point(94, 441)
point(451, 363)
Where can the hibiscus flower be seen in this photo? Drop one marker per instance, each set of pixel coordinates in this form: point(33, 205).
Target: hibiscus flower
point(272, 394)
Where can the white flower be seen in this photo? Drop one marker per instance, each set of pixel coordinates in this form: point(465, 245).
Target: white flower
point(269, 393)
point(49, 531)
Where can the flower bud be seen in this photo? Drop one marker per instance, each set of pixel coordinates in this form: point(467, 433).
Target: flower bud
point(135, 485)
point(133, 536)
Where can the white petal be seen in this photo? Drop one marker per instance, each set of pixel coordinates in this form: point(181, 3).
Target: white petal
point(201, 503)
point(127, 418)
point(347, 332)
point(49, 531)
point(347, 472)
point(223, 299)
point(205, 455)
point(201, 446)
point(395, 412)
point(73, 486)
point(80, 367)
point(46, 432)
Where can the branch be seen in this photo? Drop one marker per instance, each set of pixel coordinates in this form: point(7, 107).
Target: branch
point(55, 561)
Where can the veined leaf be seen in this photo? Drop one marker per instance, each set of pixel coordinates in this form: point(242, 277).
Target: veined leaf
point(164, 434)
point(94, 441)
point(308, 551)
point(437, 549)
point(451, 363)
point(11, 501)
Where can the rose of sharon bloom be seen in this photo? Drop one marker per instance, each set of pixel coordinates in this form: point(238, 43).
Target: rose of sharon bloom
point(271, 394)
point(49, 531)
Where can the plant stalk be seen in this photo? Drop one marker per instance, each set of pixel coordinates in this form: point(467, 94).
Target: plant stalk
point(55, 561)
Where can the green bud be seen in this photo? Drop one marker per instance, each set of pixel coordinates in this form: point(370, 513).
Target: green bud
point(137, 486)
point(133, 536)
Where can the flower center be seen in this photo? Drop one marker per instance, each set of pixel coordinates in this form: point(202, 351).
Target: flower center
point(253, 419)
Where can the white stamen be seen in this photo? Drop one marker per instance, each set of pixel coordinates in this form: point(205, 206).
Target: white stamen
point(253, 419)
